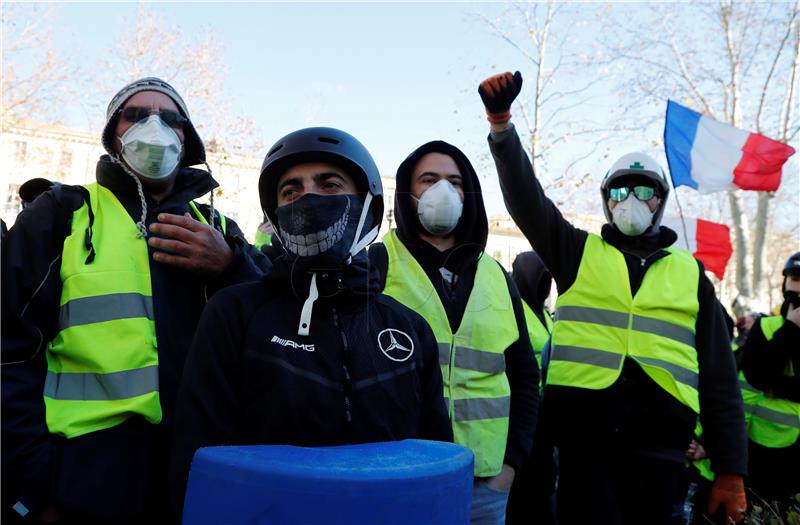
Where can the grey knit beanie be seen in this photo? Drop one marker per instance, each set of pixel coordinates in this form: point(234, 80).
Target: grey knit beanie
point(194, 151)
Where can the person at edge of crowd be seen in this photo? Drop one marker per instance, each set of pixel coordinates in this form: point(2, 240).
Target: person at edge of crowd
point(313, 354)
point(434, 263)
point(771, 364)
point(639, 346)
point(534, 281)
point(103, 285)
point(532, 495)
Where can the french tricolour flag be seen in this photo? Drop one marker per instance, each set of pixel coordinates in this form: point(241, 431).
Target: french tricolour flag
point(709, 242)
point(709, 156)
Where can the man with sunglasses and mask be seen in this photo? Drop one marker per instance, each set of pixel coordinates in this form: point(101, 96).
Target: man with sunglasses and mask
point(103, 286)
point(771, 364)
point(313, 354)
point(639, 346)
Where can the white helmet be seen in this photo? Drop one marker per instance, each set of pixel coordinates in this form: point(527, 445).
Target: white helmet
point(637, 165)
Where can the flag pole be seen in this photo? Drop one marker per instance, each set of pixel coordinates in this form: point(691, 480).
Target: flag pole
point(683, 219)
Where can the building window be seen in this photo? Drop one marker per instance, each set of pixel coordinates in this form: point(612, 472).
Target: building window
point(21, 151)
point(13, 204)
point(66, 160)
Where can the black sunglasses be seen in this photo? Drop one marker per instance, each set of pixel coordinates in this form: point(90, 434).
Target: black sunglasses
point(643, 193)
point(171, 118)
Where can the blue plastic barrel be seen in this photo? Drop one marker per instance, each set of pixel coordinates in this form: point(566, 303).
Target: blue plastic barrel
point(400, 482)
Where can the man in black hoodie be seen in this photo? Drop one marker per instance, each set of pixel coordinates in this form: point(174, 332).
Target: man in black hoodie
point(313, 354)
point(639, 345)
point(434, 263)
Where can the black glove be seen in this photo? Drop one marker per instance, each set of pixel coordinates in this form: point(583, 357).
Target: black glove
point(497, 93)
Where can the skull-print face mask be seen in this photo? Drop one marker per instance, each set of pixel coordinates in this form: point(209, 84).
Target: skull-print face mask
point(318, 230)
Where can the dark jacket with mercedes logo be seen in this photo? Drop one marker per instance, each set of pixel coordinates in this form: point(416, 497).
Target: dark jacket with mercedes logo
point(251, 379)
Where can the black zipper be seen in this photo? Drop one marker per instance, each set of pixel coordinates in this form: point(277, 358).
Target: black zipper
point(348, 387)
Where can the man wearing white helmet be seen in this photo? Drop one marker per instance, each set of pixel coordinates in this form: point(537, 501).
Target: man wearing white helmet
point(639, 347)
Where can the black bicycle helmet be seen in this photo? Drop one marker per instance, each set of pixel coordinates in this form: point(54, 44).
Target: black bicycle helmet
point(320, 144)
point(792, 266)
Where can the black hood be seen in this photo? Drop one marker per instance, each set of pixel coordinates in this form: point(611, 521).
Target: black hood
point(472, 228)
point(532, 278)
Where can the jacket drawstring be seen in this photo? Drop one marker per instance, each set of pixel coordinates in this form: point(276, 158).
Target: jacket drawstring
point(141, 224)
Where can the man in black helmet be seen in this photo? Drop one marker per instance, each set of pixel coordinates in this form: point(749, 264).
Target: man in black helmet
point(639, 345)
point(771, 364)
point(103, 286)
point(313, 354)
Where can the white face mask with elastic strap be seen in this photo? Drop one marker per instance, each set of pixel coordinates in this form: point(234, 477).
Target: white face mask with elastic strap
point(632, 216)
point(439, 208)
point(151, 148)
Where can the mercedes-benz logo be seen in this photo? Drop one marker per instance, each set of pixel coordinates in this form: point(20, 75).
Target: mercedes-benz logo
point(395, 344)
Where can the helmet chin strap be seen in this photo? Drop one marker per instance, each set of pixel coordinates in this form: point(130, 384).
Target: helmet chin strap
point(313, 293)
point(370, 236)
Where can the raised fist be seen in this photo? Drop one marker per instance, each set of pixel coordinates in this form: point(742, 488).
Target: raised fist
point(497, 93)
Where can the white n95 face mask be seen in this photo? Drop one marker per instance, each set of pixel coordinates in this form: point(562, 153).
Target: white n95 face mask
point(632, 216)
point(439, 208)
point(151, 148)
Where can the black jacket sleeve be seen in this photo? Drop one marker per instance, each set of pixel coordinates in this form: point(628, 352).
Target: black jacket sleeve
point(556, 241)
point(764, 362)
point(31, 284)
point(721, 407)
point(207, 400)
point(522, 371)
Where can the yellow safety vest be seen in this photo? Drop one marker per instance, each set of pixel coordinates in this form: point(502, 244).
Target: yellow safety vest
point(472, 360)
point(538, 332)
point(102, 365)
point(599, 323)
point(774, 422)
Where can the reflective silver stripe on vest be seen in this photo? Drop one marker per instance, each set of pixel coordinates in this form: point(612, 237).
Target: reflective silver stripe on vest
point(481, 408)
point(444, 353)
point(664, 329)
point(74, 386)
point(589, 356)
point(479, 361)
point(89, 310)
point(774, 416)
point(617, 319)
point(744, 385)
point(680, 374)
point(587, 314)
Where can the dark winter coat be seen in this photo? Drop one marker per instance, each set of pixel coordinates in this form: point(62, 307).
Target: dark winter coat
point(251, 379)
point(117, 472)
